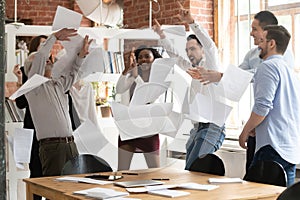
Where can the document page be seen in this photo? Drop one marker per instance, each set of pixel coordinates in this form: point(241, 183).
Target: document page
point(22, 144)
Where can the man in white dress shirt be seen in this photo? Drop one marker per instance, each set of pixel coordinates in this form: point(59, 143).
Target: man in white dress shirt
point(206, 137)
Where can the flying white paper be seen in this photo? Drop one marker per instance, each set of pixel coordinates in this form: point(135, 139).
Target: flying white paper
point(65, 18)
point(174, 29)
point(205, 109)
point(148, 92)
point(233, 83)
point(160, 69)
point(88, 138)
point(143, 120)
point(91, 64)
point(21, 143)
point(32, 83)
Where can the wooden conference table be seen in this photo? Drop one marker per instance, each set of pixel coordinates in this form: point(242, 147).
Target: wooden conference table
point(54, 190)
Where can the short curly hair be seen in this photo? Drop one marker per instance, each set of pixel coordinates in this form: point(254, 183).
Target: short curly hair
point(154, 51)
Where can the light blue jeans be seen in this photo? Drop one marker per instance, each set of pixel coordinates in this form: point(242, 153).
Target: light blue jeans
point(268, 153)
point(204, 138)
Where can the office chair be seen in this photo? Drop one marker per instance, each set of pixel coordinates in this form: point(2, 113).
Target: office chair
point(209, 163)
point(268, 172)
point(85, 163)
point(290, 193)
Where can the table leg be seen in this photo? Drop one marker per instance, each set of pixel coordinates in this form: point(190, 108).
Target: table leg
point(29, 194)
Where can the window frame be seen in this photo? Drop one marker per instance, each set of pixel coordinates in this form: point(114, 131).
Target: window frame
point(226, 37)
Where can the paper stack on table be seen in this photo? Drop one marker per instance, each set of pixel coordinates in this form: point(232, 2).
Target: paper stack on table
point(169, 193)
point(197, 186)
point(225, 180)
point(101, 193)
point(82, 180)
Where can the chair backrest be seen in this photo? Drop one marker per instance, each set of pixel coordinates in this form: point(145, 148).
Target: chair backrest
point(268, 172)
point(209, 163)
point(85, 163)
point(291, 193)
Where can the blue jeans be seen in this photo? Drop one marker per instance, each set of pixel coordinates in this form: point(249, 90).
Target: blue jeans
point(204, 139)
point(268, 153)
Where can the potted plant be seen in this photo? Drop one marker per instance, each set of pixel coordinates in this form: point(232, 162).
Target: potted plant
point(101, 100)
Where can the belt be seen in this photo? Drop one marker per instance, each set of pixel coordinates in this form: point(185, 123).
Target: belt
point(201, 125)
point(57, 140)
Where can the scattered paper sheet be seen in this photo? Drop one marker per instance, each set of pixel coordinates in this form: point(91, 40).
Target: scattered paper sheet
point(82, 180)
point(148, 92)
point(146, 120)
point(88, 138)
point(169, 193)
point(91, 64)
point(160, 69)
point(225, 180)
point(197, 186)
point(137, 190)
point(65, 18)
point(101, 193)
point(174, 121)
point(174, 29)
point(191, 186)
point(32, 83)
point(21, 143)
point(94, 77)
point(233, 88)
point(65, 63)
point(138, 183)
point(204, 108)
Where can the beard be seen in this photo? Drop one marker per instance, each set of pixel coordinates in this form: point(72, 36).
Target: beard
point(262, 53)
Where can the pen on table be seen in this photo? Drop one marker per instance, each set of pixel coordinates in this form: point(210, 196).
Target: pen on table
point(128, 173)
point(161, 179)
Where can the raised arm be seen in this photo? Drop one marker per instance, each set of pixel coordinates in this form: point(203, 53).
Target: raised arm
point(169, 47)
point(210, 49)
point(42, 55)
point(69, 78)
point(18, 73)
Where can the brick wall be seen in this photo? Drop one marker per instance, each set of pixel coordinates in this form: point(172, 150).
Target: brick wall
point(136, 12)
point(41, 12)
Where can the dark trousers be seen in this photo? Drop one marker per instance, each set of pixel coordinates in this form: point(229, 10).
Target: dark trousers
point(54, 155)
point(251, 143)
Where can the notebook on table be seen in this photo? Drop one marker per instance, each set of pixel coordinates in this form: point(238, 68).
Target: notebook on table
point(138, 183)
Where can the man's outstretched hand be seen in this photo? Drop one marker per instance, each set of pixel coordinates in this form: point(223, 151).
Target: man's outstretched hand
point(65, 34)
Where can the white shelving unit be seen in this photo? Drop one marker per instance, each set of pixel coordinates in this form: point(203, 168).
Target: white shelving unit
point(14, 175)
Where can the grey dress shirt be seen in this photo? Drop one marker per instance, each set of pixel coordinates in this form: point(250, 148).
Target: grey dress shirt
point(48, 103)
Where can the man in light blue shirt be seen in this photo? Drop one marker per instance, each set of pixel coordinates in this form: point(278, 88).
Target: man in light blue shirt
point(275, 116)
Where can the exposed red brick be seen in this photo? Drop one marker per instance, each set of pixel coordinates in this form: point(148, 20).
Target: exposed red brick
point(136, 12)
